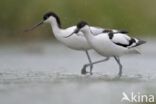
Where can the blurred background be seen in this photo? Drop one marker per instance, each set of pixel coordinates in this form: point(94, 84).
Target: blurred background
point(138, 17)
point(37, 69)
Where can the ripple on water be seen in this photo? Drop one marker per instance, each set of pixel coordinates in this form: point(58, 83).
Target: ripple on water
point(29, 77)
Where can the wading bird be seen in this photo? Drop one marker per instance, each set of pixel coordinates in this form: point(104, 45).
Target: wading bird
point(75, 42)
point(109, 44)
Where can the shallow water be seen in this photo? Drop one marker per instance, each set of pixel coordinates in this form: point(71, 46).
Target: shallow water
point(49, 73)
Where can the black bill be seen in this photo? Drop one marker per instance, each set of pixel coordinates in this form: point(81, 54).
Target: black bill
point(35, 26)
point(75, 31)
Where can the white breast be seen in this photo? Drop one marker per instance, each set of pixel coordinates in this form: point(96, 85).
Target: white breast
point(76, 42)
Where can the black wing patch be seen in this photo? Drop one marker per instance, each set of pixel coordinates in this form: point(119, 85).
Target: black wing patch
point(119, 31)
point(120, 44)
point(123, 31)
point(107, 31)
point(111, 34)
point(131, 41)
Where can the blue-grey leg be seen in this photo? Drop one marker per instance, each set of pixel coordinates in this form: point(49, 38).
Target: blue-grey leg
point(83, 71)
point(120, 65)
point(96, 62)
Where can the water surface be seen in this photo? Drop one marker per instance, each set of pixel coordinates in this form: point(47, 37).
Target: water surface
point(49, 73)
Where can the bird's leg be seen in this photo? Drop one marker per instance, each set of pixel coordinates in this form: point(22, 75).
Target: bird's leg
point(83, 71)
point(96, 62)
point(120, 65)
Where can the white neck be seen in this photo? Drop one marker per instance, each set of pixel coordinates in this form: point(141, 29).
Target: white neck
point(88, 35)
point(58, 32)
point(55, 27)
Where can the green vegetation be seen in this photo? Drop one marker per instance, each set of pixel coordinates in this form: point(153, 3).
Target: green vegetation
point(138, 17)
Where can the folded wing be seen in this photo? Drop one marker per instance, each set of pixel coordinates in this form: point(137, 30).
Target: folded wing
point(124, 40)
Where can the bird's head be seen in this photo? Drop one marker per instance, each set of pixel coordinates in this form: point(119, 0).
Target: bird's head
point(48, 17)
point(51, 16)
point(81, 26)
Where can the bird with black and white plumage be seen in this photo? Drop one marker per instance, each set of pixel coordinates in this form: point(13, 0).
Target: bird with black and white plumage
point(109, 43)
point(76, 42)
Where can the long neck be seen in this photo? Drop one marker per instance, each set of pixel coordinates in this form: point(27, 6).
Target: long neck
point(55, 27)
point(88, 35)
